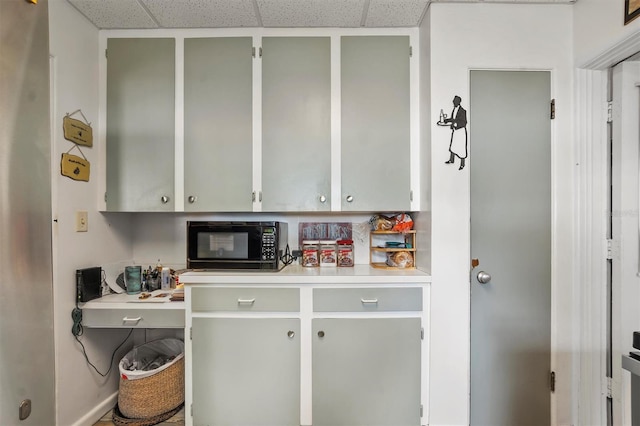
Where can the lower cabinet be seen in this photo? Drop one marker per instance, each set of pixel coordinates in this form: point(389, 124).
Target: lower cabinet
point(246, 371)
point(295, 355)
point(366, 372)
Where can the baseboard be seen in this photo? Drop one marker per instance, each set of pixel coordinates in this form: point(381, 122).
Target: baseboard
point(96, 414)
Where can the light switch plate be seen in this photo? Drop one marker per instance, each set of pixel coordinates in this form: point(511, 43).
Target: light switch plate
point(82, 221)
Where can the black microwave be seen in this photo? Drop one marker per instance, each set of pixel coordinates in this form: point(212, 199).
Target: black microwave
point(236, 245)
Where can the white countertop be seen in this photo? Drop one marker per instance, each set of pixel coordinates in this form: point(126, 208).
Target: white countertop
point(296, 274)
point(133, 301)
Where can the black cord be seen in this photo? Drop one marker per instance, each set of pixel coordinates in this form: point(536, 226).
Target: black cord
point(77, 331)
point(287, 258)
point(84, 352)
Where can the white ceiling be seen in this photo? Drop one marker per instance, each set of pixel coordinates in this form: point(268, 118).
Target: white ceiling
point(112, 14)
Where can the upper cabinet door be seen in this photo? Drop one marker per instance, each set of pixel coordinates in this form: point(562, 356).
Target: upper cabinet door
point(375, 123)
point(218, 124)
point(296, 124)
point(140, 124)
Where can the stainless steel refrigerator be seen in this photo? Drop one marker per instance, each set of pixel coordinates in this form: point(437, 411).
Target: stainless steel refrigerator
point(26, 294)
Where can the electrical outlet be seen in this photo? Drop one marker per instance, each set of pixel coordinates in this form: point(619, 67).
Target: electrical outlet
point(82, 221)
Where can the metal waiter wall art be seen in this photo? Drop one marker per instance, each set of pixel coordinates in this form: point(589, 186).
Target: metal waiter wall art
point(457, 122)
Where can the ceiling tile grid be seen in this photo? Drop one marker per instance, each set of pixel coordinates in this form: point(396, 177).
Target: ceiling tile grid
point(395, 13)
point(203, 13)
point(311, 13)
point(115, 13)
point(124, 14)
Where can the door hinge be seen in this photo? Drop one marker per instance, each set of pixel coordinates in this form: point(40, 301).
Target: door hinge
point(609, 386)
point(553, 109)
point(610, 249)
point(552, 381)
point(422, 333)
point(609, 112)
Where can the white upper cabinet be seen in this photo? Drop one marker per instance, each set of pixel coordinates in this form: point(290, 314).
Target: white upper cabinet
point(296, 123)
point(140, 124)
point(375, 123)
point(286, 121)
point(218, 120)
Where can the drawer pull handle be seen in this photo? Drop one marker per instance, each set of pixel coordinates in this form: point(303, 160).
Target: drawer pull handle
point(373, 301)
point(246, 301)
point(127, 319)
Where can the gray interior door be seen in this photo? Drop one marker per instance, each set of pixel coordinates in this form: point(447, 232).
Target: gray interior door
point(510, 143)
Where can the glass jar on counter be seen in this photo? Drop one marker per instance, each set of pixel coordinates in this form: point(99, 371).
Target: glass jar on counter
point(345, 252)
point(328, 253)
point(310, 253)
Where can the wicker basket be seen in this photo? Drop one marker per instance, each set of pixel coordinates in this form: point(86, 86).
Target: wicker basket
point(154, 395)
point(119, 420)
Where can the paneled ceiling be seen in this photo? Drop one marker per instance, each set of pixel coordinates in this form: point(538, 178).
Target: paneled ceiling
point(120, 14)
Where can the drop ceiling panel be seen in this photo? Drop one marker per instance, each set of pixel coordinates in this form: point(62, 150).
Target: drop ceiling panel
point(311, 13)
point(395, 13)
point(115, 13)
point(203, 13)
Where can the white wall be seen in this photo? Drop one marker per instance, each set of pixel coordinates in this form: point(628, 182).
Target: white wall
point(493, 36)
point(598, 27)
point(79, 391)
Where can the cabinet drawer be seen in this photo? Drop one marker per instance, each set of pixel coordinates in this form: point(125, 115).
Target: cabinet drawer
point(247, 299)
point(367, 299)
point(133, 318)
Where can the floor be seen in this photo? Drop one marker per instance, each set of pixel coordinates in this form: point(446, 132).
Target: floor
point(177, 420)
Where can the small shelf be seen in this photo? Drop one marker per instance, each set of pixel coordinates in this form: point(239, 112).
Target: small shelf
point(378, 252)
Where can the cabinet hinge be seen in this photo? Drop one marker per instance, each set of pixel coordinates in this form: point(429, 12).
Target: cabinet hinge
point(106, 53)
point(421, 410)
point(609, 112)
point(410, 51)
point(552, 381)
point(410, 195)
point(190, 333)
point(253, 52)
point(105, 197)
point(422, 333)
point(191, 409)
point(552, 114)
point(609, 386)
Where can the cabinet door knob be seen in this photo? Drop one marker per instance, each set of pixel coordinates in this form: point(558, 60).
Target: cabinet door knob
point(291, 334)
point(323, 199)
point(321, 334)
point(192, 199)
point(164, 199)
point(349, 198)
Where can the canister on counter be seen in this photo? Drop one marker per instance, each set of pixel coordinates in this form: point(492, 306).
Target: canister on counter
point(310, 253)
point(345, 252)
point(165, 279)
point(328, 253)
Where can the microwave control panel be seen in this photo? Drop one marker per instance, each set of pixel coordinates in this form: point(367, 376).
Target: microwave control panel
point(269, 248)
